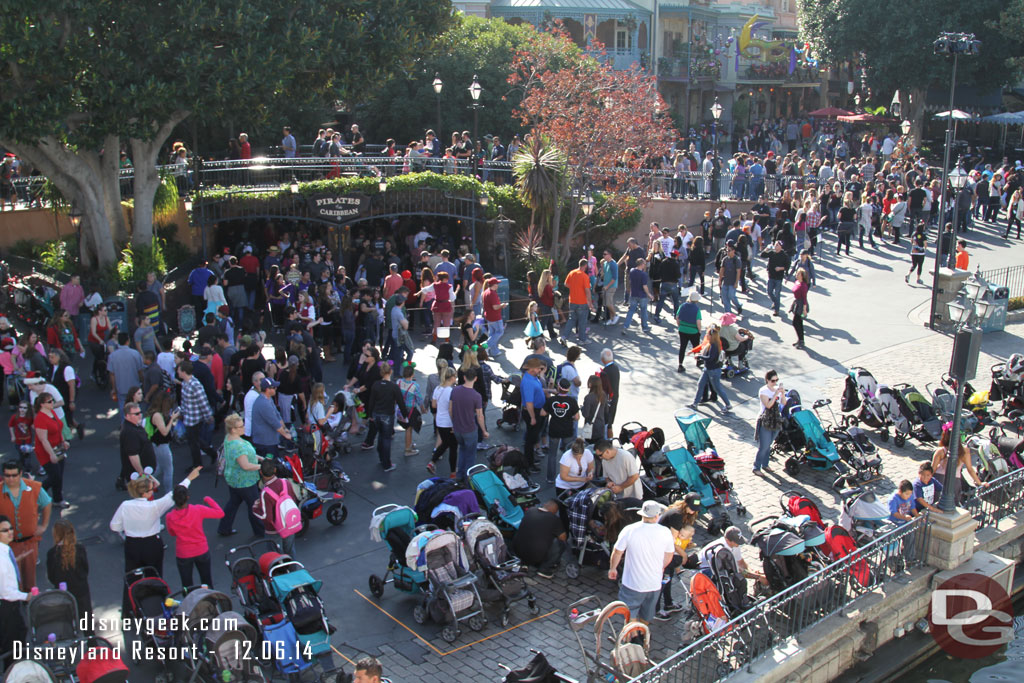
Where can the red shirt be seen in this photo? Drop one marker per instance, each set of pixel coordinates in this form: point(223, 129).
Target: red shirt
point(54, 434)
point(250, 264)
point(491, 299)
point(22, 427)
point(246, 150)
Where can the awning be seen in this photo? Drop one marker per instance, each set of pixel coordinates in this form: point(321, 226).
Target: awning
point(967, 97)
point(867, 118)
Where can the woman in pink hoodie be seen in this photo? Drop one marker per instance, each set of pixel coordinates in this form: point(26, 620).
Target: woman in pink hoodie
point(185, 523)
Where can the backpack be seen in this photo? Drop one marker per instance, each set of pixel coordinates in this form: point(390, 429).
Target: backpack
point(218, 465)
point(288, 517)
point(851, 396)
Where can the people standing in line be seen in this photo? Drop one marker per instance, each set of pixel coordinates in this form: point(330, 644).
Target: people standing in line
point(580, 302)
point(865, 214)
point(440, 401)
point(125, 367)
point(563, 412)
point(778, 266)
point(688, 317)
point(799, 308)
point(713, 356)
point(847, 223)
point(185, 523)
point(595, 407)
point(12, 624)
point(67, 563)
point(241, 474)
point(670, 272)
point(697, 262)
point(639, 295)
point(610, 383)
point(648, 548)
point(531, 389)
point(385, 399)
point(769, 419)
point(28, 507)
point(138, 453)
point(467, 419)
point(267, 426)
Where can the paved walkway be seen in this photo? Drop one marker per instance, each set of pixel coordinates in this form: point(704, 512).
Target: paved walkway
point(859, 317)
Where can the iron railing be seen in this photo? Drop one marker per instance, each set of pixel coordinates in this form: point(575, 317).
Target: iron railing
point(1011, 277)
point(998, 500)
point(789, 613)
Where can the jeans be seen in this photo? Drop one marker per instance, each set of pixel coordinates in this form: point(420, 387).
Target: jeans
point(634, 302)
point(775, 293)
point(265, 450)
point(201, 563)
point(55, 479)
point(554, 557)
point(714, 379)
point(399, 352)
point(495, 328)
point(579, 316)
point(669, 290)
point(164, 467)
point(247, 495)
point(196, 444)
point(729, 298)
point(559, 446)
point(385, 431)
point(765, 439)
point(467, 453)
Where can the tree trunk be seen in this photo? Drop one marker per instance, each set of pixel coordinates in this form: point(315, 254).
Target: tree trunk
point(111, 180)
point(571, 233)
point(145, 154)
point(914, 108)
point(556, 225)
point(77, 176)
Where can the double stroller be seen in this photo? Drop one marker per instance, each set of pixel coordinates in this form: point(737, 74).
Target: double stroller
point(231, 644)
point(877, 403)
point(919, 418)
point(500, 570)
point(430, 563)
point(281, 600)
point(789, 547)
point(805, 439)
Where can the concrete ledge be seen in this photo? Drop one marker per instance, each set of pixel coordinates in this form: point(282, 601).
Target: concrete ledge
point(1004, 533)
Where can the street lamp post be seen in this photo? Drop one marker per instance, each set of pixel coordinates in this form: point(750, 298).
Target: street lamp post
point(971, 305)
point(483, 200)
point(75, 216)
point(438, 85)
point(948, 44)
point(957, 179)
point(716, 113)
point(474, 93)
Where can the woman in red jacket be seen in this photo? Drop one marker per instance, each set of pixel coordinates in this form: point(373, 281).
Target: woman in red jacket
point(185, 523)
point(61, 333)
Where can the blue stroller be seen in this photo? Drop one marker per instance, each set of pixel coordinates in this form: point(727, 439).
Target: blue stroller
point(395, 525)
point(495, 497)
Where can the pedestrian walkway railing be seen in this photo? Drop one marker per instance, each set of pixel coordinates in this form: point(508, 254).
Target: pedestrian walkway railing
point(999, 499)
point(789, 613)
point(1011, 277)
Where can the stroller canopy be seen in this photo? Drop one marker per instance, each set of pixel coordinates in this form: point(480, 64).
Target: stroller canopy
point(781, 542)
point(231, 626)
point(284, 584)
point(695, 430)
point(204, 603)
point(479, 528)
point(811, 428)
point(866, 506)
point(806, 528)
point(53, 611)
point(27, 671)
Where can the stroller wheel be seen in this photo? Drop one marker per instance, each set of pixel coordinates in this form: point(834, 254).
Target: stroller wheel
point(376, 586)
point(478, 621)
point(449, 633)
point(729, 373)
point(337, 513)
point(792, 466)
point(850, 420)
point(884, 435)
point(899, 440)
point(419, 615)
point(534, 608)
point(572, 570)
point(504, 619)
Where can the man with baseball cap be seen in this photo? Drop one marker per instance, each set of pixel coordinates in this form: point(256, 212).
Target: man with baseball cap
point(649, 548)
point(732, 540)
point(267, 425)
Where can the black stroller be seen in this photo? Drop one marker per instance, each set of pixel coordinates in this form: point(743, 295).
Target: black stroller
point(511, 402)
point(501, 571)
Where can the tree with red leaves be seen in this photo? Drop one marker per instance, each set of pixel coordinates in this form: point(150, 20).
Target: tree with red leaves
point(605, 122)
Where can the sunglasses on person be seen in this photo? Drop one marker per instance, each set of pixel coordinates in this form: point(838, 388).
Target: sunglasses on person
point(7, 530)
point(772, 380)
point(134, 413)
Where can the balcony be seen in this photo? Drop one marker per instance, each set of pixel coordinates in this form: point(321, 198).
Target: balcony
point(624, 58)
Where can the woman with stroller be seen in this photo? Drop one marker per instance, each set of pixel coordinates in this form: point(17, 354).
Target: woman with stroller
point(185, 523)
point(769, 421)
point(576, 469)
point(67, 563)
point(940, 461)
point(712, 354)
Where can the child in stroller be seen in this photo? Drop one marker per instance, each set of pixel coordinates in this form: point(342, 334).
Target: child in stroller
point(595, 520)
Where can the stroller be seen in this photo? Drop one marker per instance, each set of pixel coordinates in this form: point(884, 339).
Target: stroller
point(539, 670)
point(795, 504)
point(451, 596)
point(658, 478)
point(101, 663)
point(298, 594)
point(804, 437)
point(395, 525)
point(864, 515)
point(225, 645)
point(511, 402)
point(149, 597)
point(862, 391)
point(586, 510)
point(924, 422)
point(487, 549)
point(312, 501)
point(1008, 386)
point(628, 658)
point(944, 405)
point(693, 477)
point(853, 444)
point(53, 613)
point(511, 465)
point(495, 498)
point(725, 572)
point(320, 463)
point(788, 549)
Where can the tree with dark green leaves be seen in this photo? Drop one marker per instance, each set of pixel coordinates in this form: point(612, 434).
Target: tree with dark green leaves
point(81, 80)
point(1011, 26)
point(405, 107)
point(896, 41)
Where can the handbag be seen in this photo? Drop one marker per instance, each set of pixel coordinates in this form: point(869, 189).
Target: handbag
point(771, 419)
point(587, 431)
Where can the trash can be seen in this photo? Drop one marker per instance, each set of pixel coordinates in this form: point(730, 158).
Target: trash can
point(117, 311)
point(998, 305)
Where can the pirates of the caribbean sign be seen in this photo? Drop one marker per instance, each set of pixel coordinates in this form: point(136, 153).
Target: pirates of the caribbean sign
point(338, 209)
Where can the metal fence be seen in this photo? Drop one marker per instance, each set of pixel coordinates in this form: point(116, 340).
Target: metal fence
point(787, 614)
point(1002, 498)
point(1011, 277)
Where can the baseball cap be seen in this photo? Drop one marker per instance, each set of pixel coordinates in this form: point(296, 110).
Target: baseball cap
point(491, 282)
point(267, 383)
point(734, 535)
point(694, 295)
point(651, 508)
point(692, 500)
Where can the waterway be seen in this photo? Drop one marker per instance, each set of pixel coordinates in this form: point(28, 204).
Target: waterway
point(1005, 665)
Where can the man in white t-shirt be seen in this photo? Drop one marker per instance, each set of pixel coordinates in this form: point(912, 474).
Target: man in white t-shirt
point(621, 470)
point(648, 547)
point(249, 400)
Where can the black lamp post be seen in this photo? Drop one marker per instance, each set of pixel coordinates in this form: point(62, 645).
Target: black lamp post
point(716, 113)
point(953, 44)
point(483, 200)
point(438, 86)
point(474, 92)
point(75, 217)
point(971, 306)
point(587, 206)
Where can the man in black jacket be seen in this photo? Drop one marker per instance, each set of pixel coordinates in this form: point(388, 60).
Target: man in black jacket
point(385, 396)
point(670, 272)
point(778, 264)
